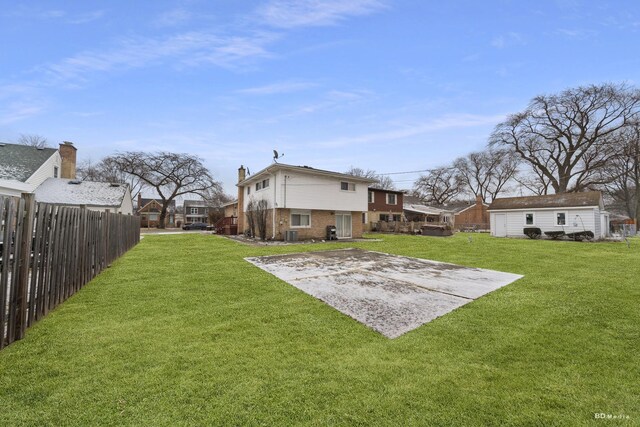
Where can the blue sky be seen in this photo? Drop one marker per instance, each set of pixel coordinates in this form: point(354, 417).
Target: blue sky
point(385, 85)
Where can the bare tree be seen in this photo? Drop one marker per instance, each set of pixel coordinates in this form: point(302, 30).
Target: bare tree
point(384, 182)
point(170, 174)
point(567, 138)
point(107, 170)
point(439, 186)
point(33, 140)
point(623, 172)
point(486, 173)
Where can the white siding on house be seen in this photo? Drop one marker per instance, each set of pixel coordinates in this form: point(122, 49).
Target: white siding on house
point(545, 219)
point(46, 171)
point(309, 192)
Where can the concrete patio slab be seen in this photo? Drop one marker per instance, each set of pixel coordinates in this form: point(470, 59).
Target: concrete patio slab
point(389, 293)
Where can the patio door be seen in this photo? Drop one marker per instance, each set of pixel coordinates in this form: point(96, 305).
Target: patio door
point(343, 225)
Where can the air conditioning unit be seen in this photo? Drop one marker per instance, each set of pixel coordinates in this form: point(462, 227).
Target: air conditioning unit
point(291, 236)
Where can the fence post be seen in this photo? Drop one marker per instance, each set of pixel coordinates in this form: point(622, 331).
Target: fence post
point(25, 264)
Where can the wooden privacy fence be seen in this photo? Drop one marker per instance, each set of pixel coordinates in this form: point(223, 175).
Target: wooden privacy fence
point(48, 252)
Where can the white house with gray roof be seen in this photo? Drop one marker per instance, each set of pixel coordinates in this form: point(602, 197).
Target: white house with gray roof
point(97, 196)
point(566, 212)
point(23, 168)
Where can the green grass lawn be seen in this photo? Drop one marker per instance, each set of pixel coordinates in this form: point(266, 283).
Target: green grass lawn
point(183, 331)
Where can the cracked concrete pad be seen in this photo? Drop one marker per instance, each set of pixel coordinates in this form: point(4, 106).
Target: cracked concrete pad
point(391, 294)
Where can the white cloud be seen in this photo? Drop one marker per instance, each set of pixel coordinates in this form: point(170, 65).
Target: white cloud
point(576, 33)
point(192, 48)
point(507, 40)
point(18, 111)
point(454, 121)
point(276, 88)
point(306, 13)
point(173, 18)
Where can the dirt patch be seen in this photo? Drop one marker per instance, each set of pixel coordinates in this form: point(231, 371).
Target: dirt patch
point(391, 294)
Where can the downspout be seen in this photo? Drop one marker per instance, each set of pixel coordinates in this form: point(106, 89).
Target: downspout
point(273, 211)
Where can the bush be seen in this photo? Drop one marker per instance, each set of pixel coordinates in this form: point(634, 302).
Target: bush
point(533, 232)
point(554, 234)
point(581, 235)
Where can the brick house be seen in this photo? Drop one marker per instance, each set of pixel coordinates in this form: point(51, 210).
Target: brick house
point(149, 212)
point(383, 205)
point(472, 216)
point(304, 200)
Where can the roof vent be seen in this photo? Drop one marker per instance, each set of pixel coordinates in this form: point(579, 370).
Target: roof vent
point(39, 148)
point(114, 184)
point(75, 182)
point(2, 144)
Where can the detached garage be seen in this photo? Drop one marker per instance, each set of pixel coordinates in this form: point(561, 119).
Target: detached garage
point(567, 212)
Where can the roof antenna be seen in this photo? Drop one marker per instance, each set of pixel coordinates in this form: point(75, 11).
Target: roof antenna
point(276, 156)
point(248, 171)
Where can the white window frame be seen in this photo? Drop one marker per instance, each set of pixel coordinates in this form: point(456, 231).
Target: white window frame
point(372, 195)
point(395, 199)
point(261, 185)
point(56, 172)
point(300, 213)
point(566, 218)
point(193, 211)
point(351, 187)
point(533, 215)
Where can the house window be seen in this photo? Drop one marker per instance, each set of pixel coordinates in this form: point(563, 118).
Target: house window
point(194, 211)
point(301, 219)
point(397, 217)
point(55, 171)
point(384, 217)
point(364, 217)
point(153, 217)
point(391, 199)
point(528, 219)
point(371, 196)
point(249, 190)
point(347, 186)
point(262, 184)
point(561, 218)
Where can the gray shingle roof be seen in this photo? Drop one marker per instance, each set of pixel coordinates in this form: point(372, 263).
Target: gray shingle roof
point(60, 191)
point(564, 200)
point(18, 162)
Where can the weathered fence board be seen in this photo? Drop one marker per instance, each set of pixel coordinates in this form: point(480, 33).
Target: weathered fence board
point(48, 253)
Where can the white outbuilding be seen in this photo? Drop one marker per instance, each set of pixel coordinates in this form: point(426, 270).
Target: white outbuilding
point(567, 212)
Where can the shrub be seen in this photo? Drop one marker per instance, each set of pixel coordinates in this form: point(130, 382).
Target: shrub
point(554, 234)
point(581, 235)
point(533, 232)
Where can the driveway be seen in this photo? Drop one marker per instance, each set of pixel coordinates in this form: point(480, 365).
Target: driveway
point(389, 293)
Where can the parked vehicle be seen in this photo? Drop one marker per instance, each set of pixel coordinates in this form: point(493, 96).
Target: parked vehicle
point(195, 226)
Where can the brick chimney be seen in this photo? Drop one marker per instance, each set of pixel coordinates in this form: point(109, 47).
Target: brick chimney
point(479, 200)
point(68, 154)
point(242, 174)
point(139, 201)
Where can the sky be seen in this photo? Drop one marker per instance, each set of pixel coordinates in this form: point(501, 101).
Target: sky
point(392, 86)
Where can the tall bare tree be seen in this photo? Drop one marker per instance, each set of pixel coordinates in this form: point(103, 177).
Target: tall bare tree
point(439, 186)
point(568, 137)
point(33, 140)
point(623, 172)
point(107, 170)
point(383, 182)
point(486, 173)
point(170, 174)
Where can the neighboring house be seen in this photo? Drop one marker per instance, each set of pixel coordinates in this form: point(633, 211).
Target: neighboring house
point(149, 212)
point(96, 196)
point(23, 168)
point(231, 208)
point(470, 215)
point(383, 205)
point(568, 212)
point(416, 211)
point(196, 211)
point(305, 200)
